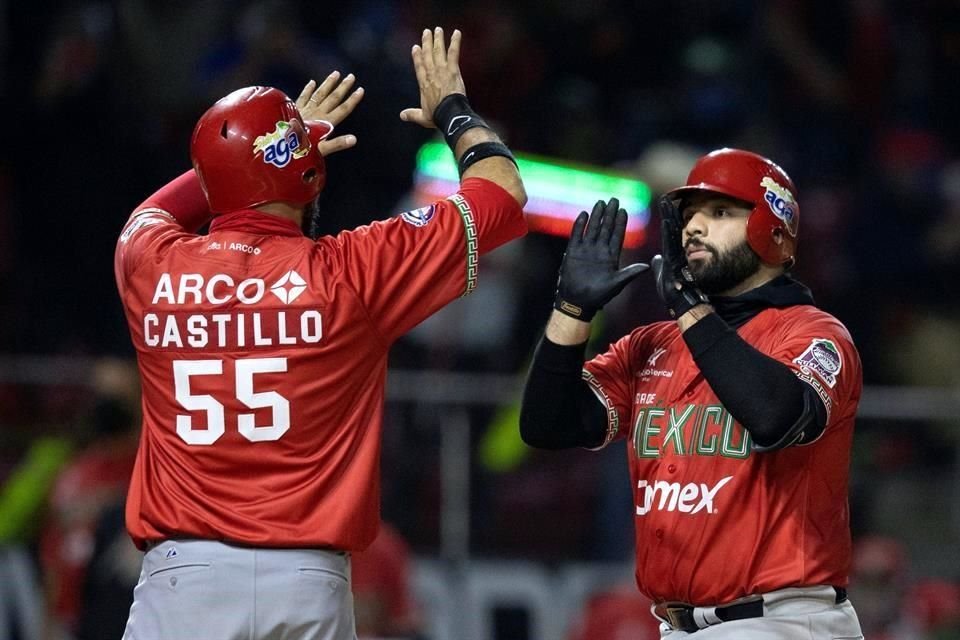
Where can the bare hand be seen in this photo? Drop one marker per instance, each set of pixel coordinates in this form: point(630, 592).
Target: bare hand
point(330, 101)
point(438, 74)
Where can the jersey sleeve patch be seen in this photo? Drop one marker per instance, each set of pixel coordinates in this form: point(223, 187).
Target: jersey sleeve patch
point(820, 365)
point(143, 219)
point(613, 418)
point(822, 358)
point(470, 231)
point(419, 217)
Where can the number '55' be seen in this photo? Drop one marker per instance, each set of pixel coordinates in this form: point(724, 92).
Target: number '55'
point(184, 369)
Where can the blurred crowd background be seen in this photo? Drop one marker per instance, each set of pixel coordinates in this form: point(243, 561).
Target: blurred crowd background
point(856, 99)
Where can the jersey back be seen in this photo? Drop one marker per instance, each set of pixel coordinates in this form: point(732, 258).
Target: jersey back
point(263, 361)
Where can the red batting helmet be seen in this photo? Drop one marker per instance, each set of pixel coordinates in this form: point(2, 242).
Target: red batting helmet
point(759, 181)
point(253, 147)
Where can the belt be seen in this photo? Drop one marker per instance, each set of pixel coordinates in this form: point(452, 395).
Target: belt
point(149, 545)
point(688, 618)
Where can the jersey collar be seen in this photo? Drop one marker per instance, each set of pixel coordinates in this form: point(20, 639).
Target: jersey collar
point(782, 291)
point(257, 222)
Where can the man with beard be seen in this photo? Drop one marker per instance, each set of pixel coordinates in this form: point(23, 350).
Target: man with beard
point(263, 353)
point(738, 414)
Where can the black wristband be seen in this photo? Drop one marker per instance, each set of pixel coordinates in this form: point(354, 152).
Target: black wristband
point(484, 150)
point(453, 116)
point(687, 298)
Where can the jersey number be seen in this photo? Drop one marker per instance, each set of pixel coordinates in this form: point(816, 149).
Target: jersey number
point(183, 369)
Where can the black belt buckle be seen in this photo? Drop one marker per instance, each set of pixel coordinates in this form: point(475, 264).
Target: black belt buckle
point(749, 607)
point(681, 618)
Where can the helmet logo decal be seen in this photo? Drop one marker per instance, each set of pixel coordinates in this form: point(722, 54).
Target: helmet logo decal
point(281, 145)
point(781, 202)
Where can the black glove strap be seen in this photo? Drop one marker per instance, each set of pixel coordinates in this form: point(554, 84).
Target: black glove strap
point(484, 150)
point(453, 117)
point(574, 311)
point(687, 298)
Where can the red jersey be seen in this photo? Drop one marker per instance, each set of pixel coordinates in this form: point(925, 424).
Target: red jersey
point(92, 482)
point(380, 581)
point(716, 521)
point(618, 613)
point(263, 357)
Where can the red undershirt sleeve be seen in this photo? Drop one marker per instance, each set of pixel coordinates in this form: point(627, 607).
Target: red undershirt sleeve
point(183, 198)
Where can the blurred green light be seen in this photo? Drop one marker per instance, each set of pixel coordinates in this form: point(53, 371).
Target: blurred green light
point(549, 179)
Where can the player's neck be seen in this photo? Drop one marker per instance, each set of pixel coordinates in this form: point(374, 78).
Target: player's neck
point(283, 210)
point(763, 275)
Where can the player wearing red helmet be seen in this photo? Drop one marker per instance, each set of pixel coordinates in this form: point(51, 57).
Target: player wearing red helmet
point(737, 414)
point(241, 141)
point(751, 178)
point(263, 353)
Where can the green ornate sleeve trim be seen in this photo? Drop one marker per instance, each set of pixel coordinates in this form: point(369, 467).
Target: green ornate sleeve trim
point(470, 233)
point(613, 418)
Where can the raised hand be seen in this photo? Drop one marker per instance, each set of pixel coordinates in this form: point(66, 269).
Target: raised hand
point(331, 101)
point(675, 285)
point(438, 74)
point(590, 276)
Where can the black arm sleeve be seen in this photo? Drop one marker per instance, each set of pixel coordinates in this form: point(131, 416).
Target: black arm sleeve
point(559, 411)
point(763, 395)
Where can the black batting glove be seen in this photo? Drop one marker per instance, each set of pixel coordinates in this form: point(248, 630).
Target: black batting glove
point(590, 276)
point(675, 285)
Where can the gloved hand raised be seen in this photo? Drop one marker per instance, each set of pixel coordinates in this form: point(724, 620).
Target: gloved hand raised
point(590, 276)
point(675, 285)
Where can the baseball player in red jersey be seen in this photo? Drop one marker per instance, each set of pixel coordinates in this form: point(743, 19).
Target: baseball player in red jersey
point(263, 353)
point(737, 415)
